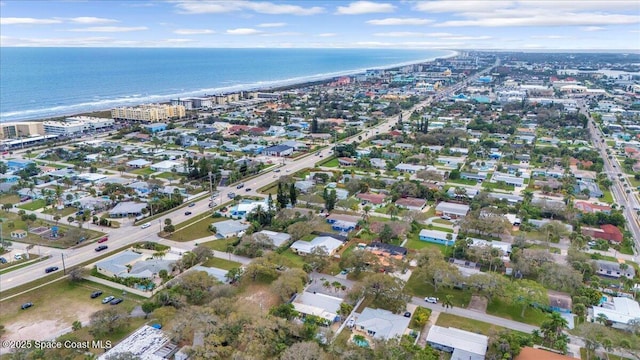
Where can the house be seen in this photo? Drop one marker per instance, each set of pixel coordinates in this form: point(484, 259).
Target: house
point(229, 228)
point(590, 187)
point(278, 150)
point(452, 210)
point(329, 244)
point(147, 343)
point(370, 198)
point(386, 252)
point(587, 207)
point(479, 177)
point(296, 145)
point(126, 209)
point(149, 269)
point(275, 131)
point(608, 232)
point(138, 163)
point(529, 353)
point(277, 238)
point(343, 223)
point(381, 324)
point(246, 206)
point(503, 247)
point(409, 168)
point(166, 166)
point(613, 269)
point(154, 128)
point(511, 199)
point(411, 203)
point(437, 237)
point(317, 304)
point(378, 163)
point(507, 179)
point(341, 194)
point(345, 161)
point(560, 302)
point(18, 164)
point(450, 161)
point(304, 186)
point(118, 265)
point(619, 312)
point(462, 344)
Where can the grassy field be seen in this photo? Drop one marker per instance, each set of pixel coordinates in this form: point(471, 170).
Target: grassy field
point(492, 186)
point(219, 245)
point(419, 287)
point(169, 175)
point(442, 221)
point(221, 263)
point(197, 230)
point(329, 163)
point(295, 259)
point(15, 265)
point(9, 199)
point(64, 213)
point(462, 181)
point(34, 205)
point(607, 197)
point(449, 320)
point(505, 310)
point(143, 171)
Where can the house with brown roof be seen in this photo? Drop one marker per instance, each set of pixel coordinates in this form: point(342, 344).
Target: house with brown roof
point(345, 161)
point(608, 232)
point(529, 353)
point(373, 199)
point(587, 207)
point(411, 203)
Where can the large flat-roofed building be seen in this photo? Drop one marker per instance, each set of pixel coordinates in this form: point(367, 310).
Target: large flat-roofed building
point(93, 123)
point(149, 112)
point(64, 127)
point(21, 129)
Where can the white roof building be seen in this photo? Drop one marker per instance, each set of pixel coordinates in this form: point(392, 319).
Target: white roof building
point(381, 324)
point(146, 343)
point(277, 238)
point(324, 306)
point(166, 165)
point(619, 312)
point(305, 247)
point(463, 345)
point(447, 208)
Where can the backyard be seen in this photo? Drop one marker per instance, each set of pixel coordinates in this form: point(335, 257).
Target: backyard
point(449, 320)
point(221, 263)
point(417, 286)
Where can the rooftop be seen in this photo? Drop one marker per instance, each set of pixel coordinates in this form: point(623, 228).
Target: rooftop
point(458, 339)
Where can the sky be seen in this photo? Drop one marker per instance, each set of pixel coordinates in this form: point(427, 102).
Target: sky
point(433, 24)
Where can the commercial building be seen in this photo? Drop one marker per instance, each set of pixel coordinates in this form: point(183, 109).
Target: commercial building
point(149, 113)
point(461, 344)
point(77, 125)
point(21, 129)
point(93, 123)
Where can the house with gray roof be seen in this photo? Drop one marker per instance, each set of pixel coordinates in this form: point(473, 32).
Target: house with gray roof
point(329, 243)
point(317, 304)
point(452, 210)
point(229, 228)
point(613, 269)
point(149, 269)
point(304, 186)
point(127, 208)
point(462, 344)
point(277, 238)
point(118, 265)
point(381, 324)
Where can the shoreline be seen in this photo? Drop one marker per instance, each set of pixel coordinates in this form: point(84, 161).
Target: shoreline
point(277, 85)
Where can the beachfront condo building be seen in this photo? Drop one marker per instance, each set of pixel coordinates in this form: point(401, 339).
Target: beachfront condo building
point(149, 113)
point(77, 125)
point(14, 130)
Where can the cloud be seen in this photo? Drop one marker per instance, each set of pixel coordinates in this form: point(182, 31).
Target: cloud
point(179, 41)
point(43, 42)
point(92, 20)
point(444, 36)
point(243, 31)
point(272, 25)
point(110, 29)
point(193, 31)
point(364, 7)
point(27, 21)
point(593, 28)
point(465, 6)
point(400, 21)
point(541, 18)
point(327, 35)
point(262, 7)
point(444, 6)
point(284, 33)
point(550, 37)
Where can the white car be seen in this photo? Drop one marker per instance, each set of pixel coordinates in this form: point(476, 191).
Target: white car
point(145, 225)
point(351, 323)
point(431, 299)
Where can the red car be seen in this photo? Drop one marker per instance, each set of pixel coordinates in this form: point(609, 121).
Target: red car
point(103, 239)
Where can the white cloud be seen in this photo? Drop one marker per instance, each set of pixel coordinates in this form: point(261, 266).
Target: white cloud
point(444, 36)
point(27, 21)
point(272, 25)
point(179, 41)
point(364, 7)
point(111, 29)
point(217, 7)
point(464, 6)
point(543, 19)
point(593, 28)
point(400, 21)
point(327, 35)
point(243, 31)
point(91, 20)
point(284, 33)
point(445, 6)
point(42, 42)
point(193, 31)
point(550, 37)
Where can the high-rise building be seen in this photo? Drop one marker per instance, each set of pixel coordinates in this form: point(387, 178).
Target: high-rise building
point(149, 112)
point(21, 129)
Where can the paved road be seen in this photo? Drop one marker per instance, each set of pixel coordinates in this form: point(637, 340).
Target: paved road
point(628, 201)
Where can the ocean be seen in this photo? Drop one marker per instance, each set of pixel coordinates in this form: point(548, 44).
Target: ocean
point(37, 83)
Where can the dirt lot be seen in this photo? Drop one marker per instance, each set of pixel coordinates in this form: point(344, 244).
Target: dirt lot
point(55, 308)
point(478, 303)
point(260, 297)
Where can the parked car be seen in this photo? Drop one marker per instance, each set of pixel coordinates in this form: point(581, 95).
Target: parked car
point(17, 257)
point(407, 314)
point(145, 225)
point(95, 294)
point(187, 213)
point(50, 269)
point(351, 323)
point(26, 305)
point(115, 301)
point(102, 247)
point(247, 189)
point(445, 217)
point(3, 260)
point(431, 299)
point(276, 170)
point(240, 186)
point(231, 195)
point(108, 299)
point(192, 204)
point(103, 239)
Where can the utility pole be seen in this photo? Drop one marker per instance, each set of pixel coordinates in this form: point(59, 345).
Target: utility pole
point(64, 269)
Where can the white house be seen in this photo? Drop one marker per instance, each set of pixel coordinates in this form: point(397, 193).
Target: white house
point(462, 344)
point(229, 228)
point(327, 242)
point(166, 166)
point(620, 311)
point(381, 324)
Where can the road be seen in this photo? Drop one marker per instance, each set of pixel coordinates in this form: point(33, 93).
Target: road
point(128, 234)
point(628, 202)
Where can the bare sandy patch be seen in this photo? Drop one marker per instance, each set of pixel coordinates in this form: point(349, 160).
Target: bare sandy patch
point(478, 303)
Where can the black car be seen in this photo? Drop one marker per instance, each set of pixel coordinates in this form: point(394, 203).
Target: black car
point(26, 306)
point(102, 247)
point(95, 294)
point(51, 269)
point(187, 213)
point(407, 314)
point(248, 189)
point(116, 301)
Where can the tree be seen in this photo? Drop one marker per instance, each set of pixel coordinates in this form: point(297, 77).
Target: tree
point(358, 260)
point(318, 258)
point(551, 330)
point(385, 291)
point(308, 350)
point(293, 194)
point(507, 345)
point(386, 234)
point(288, 283)
point(393, 211)
point(447, 302)
point(602, 318)
point(77, 325)
point(70, 219)
point(77, 274)
point(330, 199)
point(281, 197)
point(527, 293)
point(107, 321)
point(148, 307)
point(195, 286)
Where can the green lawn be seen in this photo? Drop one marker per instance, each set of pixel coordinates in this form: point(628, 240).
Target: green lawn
point(492, 185)
point(143, 171)
point(196, 230)
point(438, 228)
point(34, 205)
point(442, 221)
point(219, 245)
point(329, 163)
point(9, 199)
point(449, 320)
point(221, 263)
point(64, 213)
point(419, 287)
point(295, 259)
point(462, 181)
point(532, 316)
point(169, 175)
point(15, 265)
point(607, 197)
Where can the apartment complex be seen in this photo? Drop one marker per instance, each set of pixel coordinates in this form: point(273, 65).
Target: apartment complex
point(149, 112)
point(76, 125)
point(21, 129)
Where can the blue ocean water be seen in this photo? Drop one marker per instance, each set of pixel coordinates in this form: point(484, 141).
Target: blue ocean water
point(37, 83)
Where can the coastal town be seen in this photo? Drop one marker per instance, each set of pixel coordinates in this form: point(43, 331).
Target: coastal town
point(481, 206)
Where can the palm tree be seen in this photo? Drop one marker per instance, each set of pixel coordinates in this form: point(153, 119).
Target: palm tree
point(602, 318)
point(607, 345)
point(448, 301)
point(365, 213)
point(392, 210)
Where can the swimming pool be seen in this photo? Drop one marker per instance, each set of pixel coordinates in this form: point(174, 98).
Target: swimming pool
point(361, 342)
